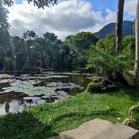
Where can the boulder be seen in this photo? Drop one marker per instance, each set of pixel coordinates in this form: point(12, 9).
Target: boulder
point(118, 131)
point(99, 129)
point(87, 130)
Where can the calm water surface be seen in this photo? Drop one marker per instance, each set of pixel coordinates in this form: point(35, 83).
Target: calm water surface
point(24, 91)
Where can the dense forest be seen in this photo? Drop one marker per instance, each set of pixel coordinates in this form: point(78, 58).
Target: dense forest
point(81, 51)
point(32, 53)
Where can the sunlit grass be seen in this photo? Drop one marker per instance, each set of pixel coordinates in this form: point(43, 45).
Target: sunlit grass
point(70, 113)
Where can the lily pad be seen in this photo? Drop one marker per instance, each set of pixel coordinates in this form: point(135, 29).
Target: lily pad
point(28, 88)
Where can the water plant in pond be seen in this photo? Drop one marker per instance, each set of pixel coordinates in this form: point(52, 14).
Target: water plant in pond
point(28, 88)
point(23, 91)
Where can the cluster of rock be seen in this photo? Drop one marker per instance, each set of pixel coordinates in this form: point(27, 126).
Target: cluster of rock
point(49, 97)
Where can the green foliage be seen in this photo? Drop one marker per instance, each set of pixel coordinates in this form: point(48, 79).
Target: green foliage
point(4, 26)
point(8, 63)
point(8, 2)
point(83, 40)
point(109, 41)
point(5, 55)
point(42, 3)
point(129, 42)
point(22, 126)
point(135, 112)
point(101, 85)
point(85, 106)
point(29, 35)
point(30, 53)
point(78, 45)
point(3, 17)
point(89, 86)
point(104, 59)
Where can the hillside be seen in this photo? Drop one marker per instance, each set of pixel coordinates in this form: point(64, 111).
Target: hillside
point(127, 29)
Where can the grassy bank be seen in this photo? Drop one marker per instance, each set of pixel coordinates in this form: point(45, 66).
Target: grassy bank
point(50, 119)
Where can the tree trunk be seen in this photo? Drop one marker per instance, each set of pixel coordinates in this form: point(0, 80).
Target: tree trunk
point(136, 67)
point(119, 26)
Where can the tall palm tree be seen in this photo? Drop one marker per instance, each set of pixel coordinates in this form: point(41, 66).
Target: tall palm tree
point(136, 67)
point(119, 25)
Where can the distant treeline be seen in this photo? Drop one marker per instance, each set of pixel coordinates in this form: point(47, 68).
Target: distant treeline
point(32, 53)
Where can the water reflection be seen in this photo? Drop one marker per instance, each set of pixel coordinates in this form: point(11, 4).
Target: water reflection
point(7, 107)
point(25, 91)
point(10, 107)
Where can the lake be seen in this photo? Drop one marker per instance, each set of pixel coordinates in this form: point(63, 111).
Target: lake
point(18, 93)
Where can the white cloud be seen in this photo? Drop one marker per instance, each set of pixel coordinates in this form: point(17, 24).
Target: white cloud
point(130, 7)
point(111, 15)
point(66, 18)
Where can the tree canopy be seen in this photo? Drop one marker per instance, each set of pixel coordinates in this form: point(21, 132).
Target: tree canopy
point(38, 3)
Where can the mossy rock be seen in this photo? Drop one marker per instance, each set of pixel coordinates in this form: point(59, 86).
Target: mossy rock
point(101, 86)
point(129, 76)
point(92, 86)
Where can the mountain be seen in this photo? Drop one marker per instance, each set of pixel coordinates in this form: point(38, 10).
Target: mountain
point(127, 29)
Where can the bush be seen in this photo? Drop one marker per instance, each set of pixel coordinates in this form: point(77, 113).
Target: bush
point(108, 63)
point(22, 126)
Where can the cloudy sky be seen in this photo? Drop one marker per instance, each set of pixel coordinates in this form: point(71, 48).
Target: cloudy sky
point(67, 17)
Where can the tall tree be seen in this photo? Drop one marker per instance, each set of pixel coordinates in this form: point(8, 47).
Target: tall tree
point(4, 36)
point(119, 25)
point(29, 37)
point(136, 67)
point(3, 17)
point(7, 2)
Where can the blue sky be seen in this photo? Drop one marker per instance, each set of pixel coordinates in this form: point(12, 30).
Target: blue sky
point(18, 1)
point(67, 17)
point(103, 4)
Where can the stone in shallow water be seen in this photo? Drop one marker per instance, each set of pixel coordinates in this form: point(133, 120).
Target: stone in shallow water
point(41, 101)
point(47, 95)
point(4, 83)
point(31, 99)
point(6, 76)
point(54, 97)
point(9, 91)
point(60, 85)
point(50, 97)
point(62, 94)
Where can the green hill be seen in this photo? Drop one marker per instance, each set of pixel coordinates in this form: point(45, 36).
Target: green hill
point(127, 29)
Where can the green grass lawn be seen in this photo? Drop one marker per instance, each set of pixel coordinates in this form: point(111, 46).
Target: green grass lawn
point(50, 119)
